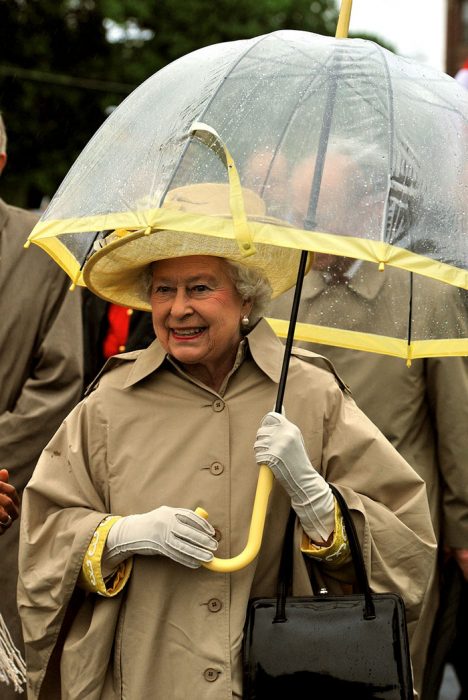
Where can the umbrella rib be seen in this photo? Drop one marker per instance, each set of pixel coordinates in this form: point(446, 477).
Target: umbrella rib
point(391, 143)
point(410, 311)
point(447, 107)
point(286, 127)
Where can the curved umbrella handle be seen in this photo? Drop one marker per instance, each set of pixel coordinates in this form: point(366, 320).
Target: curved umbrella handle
point(254, 540)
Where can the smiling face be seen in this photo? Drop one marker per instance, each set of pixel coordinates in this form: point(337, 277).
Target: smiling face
point(196, 314)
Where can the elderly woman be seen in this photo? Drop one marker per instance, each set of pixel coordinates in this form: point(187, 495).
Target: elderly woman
point(115, 600)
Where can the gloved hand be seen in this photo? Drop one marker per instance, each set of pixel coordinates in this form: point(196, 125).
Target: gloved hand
point(177, 533)
point(280, 445)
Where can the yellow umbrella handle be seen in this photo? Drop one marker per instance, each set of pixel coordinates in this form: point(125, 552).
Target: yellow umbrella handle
point(342, 27)
point(254, 541)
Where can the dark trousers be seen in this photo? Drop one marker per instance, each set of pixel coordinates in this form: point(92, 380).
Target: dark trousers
point(449, 638)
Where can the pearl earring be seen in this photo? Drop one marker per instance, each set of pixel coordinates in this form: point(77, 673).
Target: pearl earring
point(245, 320)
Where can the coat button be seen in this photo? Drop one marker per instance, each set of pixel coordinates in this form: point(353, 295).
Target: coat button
point(218, 405)
point(217, 468)
point(121, 348)
point(210, 675)
point(214, 605)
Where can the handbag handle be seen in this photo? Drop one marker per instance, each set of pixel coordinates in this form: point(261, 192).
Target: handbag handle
point(285, 571)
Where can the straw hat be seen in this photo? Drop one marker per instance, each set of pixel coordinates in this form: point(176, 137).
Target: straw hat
point(116, 271)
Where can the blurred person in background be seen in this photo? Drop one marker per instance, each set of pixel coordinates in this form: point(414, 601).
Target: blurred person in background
point(449, 641)
point(40, 369)
point(422, 409)
point(12, 666)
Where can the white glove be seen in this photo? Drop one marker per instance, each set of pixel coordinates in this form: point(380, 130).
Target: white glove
point(280, 445)
point(177, 533)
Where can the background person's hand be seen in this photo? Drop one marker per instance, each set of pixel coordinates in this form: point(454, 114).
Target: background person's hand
point(461, 557)
point(280, 445)
point(177, 533)
point(9, 502)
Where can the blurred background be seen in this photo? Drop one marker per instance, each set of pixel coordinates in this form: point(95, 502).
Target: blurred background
point(65, 64)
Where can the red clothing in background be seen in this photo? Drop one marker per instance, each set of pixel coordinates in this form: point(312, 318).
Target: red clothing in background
point(118, 318)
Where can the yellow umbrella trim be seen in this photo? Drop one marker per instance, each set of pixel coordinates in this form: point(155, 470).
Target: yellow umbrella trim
point(46, 235)
point(369, 342)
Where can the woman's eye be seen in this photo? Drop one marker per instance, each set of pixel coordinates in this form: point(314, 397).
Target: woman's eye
point(200, 289)
point(161, 291)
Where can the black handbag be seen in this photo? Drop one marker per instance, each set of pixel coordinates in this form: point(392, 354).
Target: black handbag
point(353, 645)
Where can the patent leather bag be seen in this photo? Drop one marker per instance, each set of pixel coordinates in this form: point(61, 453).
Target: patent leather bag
point(351, 646)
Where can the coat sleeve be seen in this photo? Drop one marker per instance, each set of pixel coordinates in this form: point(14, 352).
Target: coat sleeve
point(447, 389)
point(64, 502)
point(52, 387)
point(387, 499)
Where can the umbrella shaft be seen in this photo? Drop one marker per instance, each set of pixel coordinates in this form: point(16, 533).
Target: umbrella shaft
point(292, 327)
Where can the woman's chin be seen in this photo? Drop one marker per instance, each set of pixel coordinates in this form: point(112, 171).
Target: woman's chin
point(186, 354)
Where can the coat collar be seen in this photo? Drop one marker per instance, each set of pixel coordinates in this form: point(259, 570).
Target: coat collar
point(365, 281)
point(265, 349)
point(147, 361)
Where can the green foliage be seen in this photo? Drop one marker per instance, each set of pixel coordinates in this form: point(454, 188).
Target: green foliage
point(56, 55)
point(181, 27)
point(48, 122)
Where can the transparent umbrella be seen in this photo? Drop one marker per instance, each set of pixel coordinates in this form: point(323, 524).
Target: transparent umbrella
point(354, 151)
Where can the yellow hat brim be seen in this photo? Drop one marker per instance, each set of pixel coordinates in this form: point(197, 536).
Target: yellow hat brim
point(116, 272)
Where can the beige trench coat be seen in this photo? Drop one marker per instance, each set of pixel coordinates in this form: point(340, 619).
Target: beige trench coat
point(40, 370)
point(150, 435)
point(421, 409)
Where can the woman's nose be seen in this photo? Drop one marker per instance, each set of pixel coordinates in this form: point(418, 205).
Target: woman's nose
point(181, 305)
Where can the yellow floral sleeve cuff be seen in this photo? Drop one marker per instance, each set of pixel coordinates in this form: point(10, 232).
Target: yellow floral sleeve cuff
point(91, 578)
point(336, 553)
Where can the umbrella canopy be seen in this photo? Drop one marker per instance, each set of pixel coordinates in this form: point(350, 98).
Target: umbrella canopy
point(354, 151)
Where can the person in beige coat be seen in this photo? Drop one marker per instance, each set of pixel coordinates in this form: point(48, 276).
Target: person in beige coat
point(421, 409)
point(114, 598)
point(12, 666)
point(40, 368)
